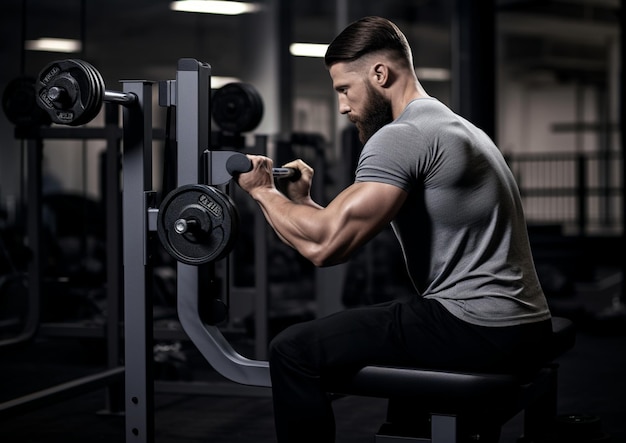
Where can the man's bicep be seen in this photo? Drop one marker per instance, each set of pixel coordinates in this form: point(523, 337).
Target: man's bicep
point(366, 207)
point(328, 236)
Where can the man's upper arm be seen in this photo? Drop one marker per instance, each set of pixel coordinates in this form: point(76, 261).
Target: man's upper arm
point(358, 214)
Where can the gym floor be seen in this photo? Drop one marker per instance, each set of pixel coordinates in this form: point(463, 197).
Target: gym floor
point(591, 384)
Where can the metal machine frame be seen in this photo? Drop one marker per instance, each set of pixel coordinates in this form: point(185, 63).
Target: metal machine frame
point(190, 94)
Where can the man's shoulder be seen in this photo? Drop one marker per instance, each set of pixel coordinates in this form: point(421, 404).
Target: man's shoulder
point(429, 104)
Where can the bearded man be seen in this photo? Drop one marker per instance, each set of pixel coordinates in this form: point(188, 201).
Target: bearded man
point(456, 211)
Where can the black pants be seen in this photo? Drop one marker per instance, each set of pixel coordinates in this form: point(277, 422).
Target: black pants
point(415, 332)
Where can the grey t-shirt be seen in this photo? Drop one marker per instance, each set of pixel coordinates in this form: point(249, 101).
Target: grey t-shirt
point(462, 228)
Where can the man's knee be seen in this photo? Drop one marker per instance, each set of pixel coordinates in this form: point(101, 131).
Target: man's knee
point(292, 343)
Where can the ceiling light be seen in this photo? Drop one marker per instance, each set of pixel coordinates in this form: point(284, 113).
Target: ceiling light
point(214, 7)
point(53, 45)
point(308, 49)
point(218, 81)
point(319, 50)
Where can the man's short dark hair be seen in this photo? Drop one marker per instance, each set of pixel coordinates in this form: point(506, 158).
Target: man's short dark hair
point(367, 35)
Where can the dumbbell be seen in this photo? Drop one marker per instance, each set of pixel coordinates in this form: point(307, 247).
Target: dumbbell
point(72, 92)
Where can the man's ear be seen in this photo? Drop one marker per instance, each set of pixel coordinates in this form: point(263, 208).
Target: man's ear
point(382, 75)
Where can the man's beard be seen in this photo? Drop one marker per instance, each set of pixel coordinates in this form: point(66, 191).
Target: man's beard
point(377, 113)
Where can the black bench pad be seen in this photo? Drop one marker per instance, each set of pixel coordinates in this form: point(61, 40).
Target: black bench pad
point(386, 381)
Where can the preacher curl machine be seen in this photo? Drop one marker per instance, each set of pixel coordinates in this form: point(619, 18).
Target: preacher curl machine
point(197, 224)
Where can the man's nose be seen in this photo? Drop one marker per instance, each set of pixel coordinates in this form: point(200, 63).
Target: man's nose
point(343, 107)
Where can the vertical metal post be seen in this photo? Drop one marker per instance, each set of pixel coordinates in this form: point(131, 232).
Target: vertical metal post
point(192, 119)
point(443, 428)
point(35, 243)
point(540, 414)
point(581, 194)
point(605, 171)
point(193, 131)
point(622, 125)
point(473, 62)
point(261, 287)
point(266, 37)
point(114, 289)
point(137, 179)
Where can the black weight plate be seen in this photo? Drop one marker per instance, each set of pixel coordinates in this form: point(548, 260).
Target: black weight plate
point(87, 99)
point(237, 107)
point(97, 95)
point(101, 87)
point(20, 105)
point(78, 85)
point(78, 71)
point(224, 224)
point(91, 99)
point(98, 91)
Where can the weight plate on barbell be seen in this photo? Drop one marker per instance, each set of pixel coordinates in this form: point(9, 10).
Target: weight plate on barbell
point(77, 91)
point(91, 100)
point(213, 217)
point(237, 107)
point(88, 99)
point(99, 89)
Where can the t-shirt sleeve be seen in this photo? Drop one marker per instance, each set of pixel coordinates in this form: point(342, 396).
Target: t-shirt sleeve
point(390, 157)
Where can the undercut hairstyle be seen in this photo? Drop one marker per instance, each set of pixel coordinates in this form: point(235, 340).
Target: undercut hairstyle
point(365, 36)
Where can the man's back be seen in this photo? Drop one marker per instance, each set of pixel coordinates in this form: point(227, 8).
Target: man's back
point(462, 228)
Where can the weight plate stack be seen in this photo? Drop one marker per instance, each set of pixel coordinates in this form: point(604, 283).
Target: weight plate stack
point(237, 107)
point(70, 91)
point(96, 95)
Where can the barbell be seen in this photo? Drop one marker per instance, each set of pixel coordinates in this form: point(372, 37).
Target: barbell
point(72, 91)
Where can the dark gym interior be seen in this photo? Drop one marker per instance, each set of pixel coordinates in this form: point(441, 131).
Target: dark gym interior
point(544, 78)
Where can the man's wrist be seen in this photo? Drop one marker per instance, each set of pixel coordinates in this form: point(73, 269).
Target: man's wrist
point(263, 193)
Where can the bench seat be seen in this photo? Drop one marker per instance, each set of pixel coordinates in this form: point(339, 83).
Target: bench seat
point(458, 400)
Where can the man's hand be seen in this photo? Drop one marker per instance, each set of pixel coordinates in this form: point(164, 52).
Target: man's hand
point(298, 191)
point(259, 177)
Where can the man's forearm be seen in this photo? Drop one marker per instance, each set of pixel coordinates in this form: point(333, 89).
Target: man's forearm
point(296, 224)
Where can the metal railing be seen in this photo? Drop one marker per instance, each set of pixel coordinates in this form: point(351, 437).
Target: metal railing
point(581, 192)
